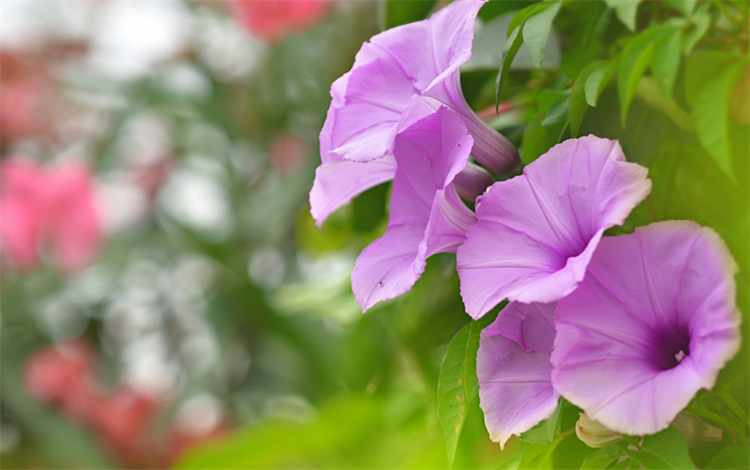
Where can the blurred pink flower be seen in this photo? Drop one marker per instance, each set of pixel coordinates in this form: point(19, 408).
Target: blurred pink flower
point(50, 208)
point(61, 375)
point(124, 420)
point(273, 20)
point(65, 375)
point(133, 427)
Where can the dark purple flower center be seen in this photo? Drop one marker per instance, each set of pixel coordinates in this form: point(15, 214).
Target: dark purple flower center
point(671, 345)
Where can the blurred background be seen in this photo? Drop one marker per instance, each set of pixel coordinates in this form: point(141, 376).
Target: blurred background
point(166, 297)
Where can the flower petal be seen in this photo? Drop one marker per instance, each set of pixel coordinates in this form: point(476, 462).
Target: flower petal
point(336, 184)
point(376, 95)
point(431, 51)
point(513, 366)
point(389, 266)
point(429, 154)
point(449, 219)
point(535, 233)
point(416, 59)
point(653, 321)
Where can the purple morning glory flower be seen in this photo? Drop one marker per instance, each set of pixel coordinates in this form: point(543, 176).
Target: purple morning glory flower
point(426, 216)
point(513, 366)
point(653, 322)
point(535, 233)
point(422, 60)
point(338, 181)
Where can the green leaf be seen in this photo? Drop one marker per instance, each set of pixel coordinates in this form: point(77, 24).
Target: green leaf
point(670, 448)
point(557, 117)
point(730, 457)
point(635, 60)
point(626, 464)
point(369, 209)
point(699, 68)
point(470, 379)
point(663, 451)
point(495, 8)
point(584, 44)
point(598, 81)
point(458, 384)
point(666, 59)
point(343, 429)
point(545, 128)
point(602, 458)
point(544, 432)
point(535, 141)
point(399, 12)
point(577, 105)
point(548, 97)
point(725, 394)
point(686, 7)
point(626, 11)
point(712, 116)
point(701, 22)
point(537, 456)
point(648, 92)
point(521, 16)
point(536, 31)
point(512, 44)
point(510, 464)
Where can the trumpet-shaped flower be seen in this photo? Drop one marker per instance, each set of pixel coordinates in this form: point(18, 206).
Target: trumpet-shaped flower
point(421, 59)
point(426, 215)
point(535, 233)
point(653, 322)
point(513, 366)
point(48, 207)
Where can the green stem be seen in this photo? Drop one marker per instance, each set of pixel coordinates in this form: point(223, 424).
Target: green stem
point(718, 420)
point(648, 92)
point(710, 415)
point(565, 434)
point(734, 406)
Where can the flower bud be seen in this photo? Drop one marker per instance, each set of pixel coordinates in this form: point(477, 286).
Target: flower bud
point(472, 181)
point(595, 434)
